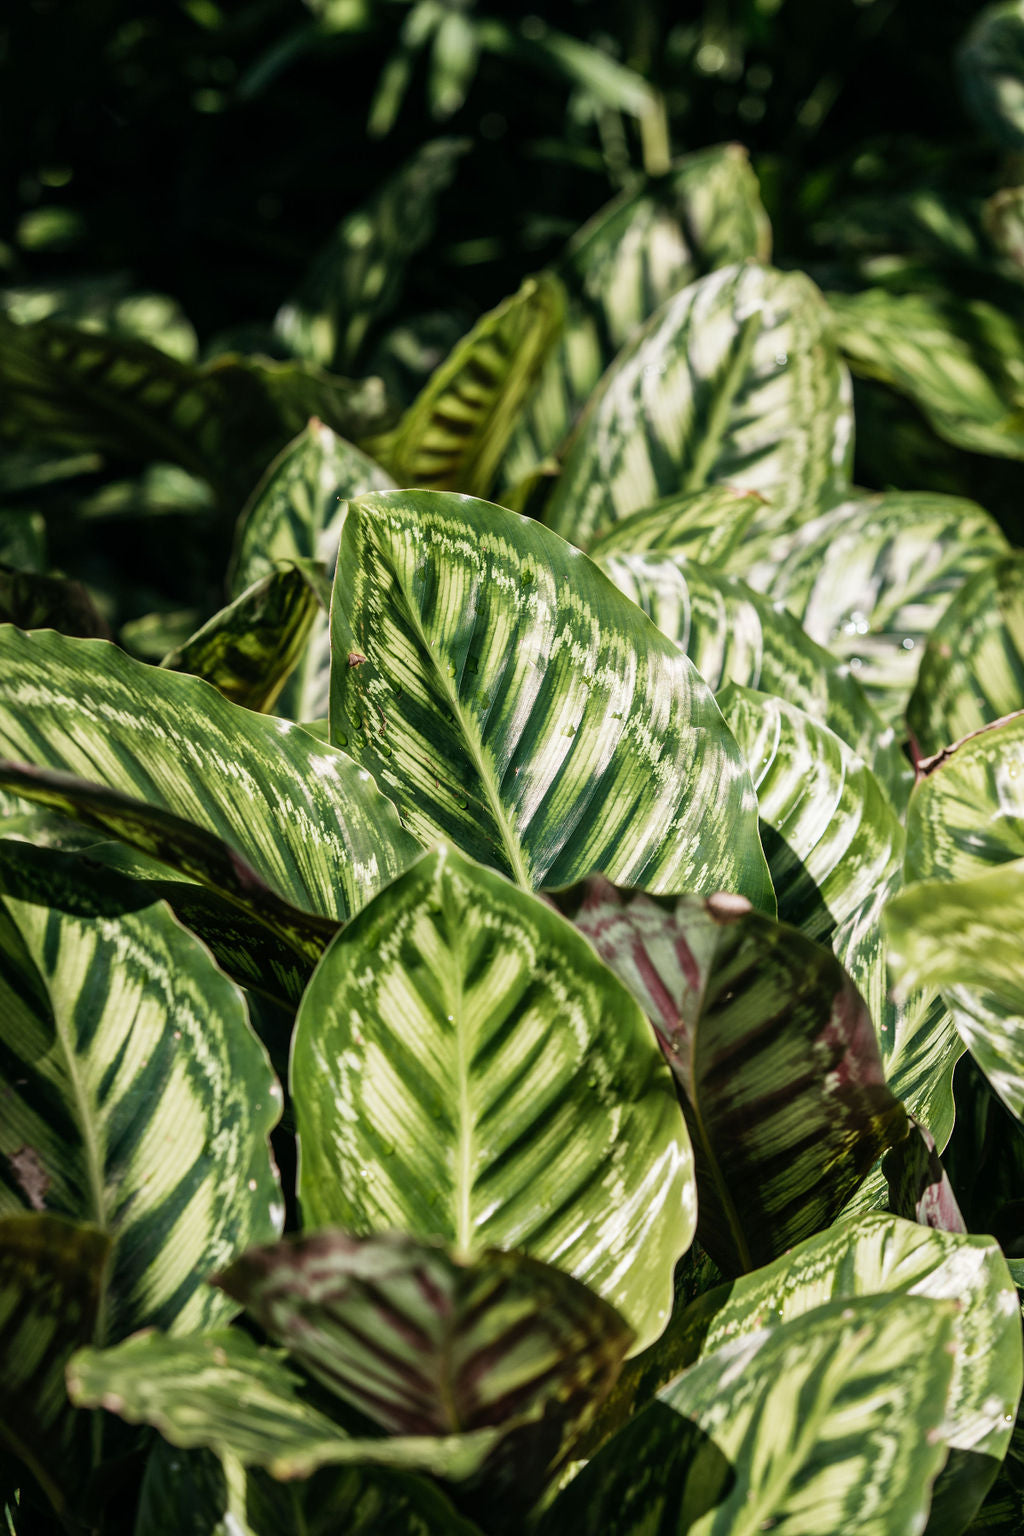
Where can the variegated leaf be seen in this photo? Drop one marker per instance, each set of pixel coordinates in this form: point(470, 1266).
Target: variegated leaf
point(869, 579)
point(832, 1422)
point(735, 635)
point(222, 1391)
point(508, 697)
point(972, 670)
point(919, 1187)
point(967, 812)
point(702, 525)
point(773, 1053)
point(76, 390)
point(136, 1098)
point(734, 381)
point(623, 264)
point(872, 1255)
point(463, 1067)
point(423, 1343)
point(963, 937)
point(301, 814)
point(957, 359)
point(52, 1275)
point(990, 63)
point(249, 648)
point(453, 436)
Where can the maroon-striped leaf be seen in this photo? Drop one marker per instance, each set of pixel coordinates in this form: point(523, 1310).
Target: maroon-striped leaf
point(424, 1343)
point(774, 1057)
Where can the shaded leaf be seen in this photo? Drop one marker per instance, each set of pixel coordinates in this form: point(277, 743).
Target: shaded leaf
point(972, 670)
point(990, 63)
point(128, 1066)
point(453, 435)
point(832, 1422)
point(773, 1054)
point(33, 601)
point(734, 381)
point(464, 1068)
point(919, 1188)
point(248, 649)
point(51, 1287)
point(513, 701)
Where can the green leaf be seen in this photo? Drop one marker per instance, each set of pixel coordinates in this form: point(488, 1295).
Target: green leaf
point(706, 526)
point(249, 648)
point(136, 1098)
point(463, 1067)
point(297, 812)
point(972, 671)
point(51, 1288)
point(221, 1391)
point(33, 601)
point(869, 579)
point(957, 359)
point(967, 813)
point(990, 63)
point(426, 1344)
point(773, 1054)
point(832, 1422)
point(453, 435)
point(198, 1492)
point(734, 635)
point(79, 390)
point(511, 700)
point(962, 936)
point(358, 275)
point(919, 1188)
point(622, 265)
point(734, 381)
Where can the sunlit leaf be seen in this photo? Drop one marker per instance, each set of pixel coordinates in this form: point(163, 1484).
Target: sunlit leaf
point(706, 526)
point(967, 813)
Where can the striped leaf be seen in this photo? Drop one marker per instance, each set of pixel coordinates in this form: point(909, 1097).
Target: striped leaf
point(832, 1422)
point(198, 1492)
point(773, 1054)
point(967, 813)
point(835, 849)
point(963, 937)
point(990, 63)
point(51, 1288)
point(425, 1344)
point(296, 513)
point(734, 381)
point(919, 1187)
point(705, 526)
point(972, 670)
point(223, 421)
point(869, 579)
point(464, 1068)
point(957, 359)
point(507, 697)
point(622, 265)
point(734, 635)
point(872, 1255)
point(297, 812)
point(137, 1098)
point(248, 649)
point(453, 435)
point(223, 1392)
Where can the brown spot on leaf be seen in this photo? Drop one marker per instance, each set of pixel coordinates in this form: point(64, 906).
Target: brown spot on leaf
point(356, 658)
point(31, 1175)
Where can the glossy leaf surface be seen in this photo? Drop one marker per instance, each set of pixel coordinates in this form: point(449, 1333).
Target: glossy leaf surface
point(773, 1053)
point(464, 1068)
point(138, 1099)
point(968, 812)
point(706, 526)
point(734, 381)
point(509, 698)
point(972, 670)
point(298, 812)
point(832, 1422)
